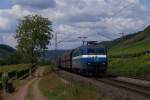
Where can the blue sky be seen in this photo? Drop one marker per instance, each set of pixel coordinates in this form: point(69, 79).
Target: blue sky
point(145, 1)
point(6, 4)
point(99, 20)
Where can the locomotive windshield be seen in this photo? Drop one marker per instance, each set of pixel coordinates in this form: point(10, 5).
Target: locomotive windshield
point(96, 51)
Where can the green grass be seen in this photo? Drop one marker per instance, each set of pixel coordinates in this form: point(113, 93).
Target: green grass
point(137, 66)
point(53, 88)
point(10, 68)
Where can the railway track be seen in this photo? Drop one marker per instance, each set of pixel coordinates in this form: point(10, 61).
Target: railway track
point(136, 88)
point(113, 86)
point(141, 78)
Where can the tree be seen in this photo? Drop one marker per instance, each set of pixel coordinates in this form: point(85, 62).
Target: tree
point(33, 34)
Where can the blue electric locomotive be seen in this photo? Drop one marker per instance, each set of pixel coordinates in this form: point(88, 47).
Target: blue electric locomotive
point(85, 59)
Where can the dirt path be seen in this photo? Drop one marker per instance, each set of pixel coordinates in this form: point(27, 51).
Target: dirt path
point(36, 92)
point(22, 93)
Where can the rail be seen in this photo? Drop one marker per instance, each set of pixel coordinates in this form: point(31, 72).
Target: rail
point(140, 89)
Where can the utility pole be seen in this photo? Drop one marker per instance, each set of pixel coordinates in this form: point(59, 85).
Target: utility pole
point(1, 40)
point(123, 38)
point(55, 48)
point(122, 35)
point(55, 41)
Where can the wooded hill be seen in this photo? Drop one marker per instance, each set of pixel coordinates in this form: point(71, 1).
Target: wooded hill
point(5, 50)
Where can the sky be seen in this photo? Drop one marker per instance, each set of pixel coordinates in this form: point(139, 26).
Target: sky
point(99, 20)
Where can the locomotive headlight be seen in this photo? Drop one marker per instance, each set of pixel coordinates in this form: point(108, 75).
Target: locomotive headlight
point(88, 63)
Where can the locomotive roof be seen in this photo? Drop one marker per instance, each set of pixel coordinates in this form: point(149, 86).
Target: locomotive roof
point(68, 52)
point(92, 46)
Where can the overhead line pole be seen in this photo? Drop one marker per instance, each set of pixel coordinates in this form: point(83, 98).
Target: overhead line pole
point(55, 41)
point(122, 35)
point(55, 48)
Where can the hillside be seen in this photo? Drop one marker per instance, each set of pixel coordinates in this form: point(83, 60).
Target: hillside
point(5, 50)
point(133, 44)
point(130, 56)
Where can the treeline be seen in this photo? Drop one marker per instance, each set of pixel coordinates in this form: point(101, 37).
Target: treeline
point(18, 58)
point(12, 58)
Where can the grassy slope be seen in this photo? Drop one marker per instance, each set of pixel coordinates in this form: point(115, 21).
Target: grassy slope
point(131, 66)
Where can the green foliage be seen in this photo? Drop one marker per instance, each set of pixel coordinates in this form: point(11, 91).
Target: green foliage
point(33, 35)
point(13, 58)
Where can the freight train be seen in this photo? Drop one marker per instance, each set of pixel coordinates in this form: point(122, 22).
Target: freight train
point(90, 58)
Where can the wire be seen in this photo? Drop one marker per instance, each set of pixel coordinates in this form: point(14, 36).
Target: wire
point(107, 37)
point(119, 13)
point(115, 14)
point(122, 9)
point(75, 40)
point(63, 39)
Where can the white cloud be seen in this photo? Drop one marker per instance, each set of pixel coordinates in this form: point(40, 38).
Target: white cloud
point(4, 22)
point(8, 39)
point(37, 4)
point(133, 1)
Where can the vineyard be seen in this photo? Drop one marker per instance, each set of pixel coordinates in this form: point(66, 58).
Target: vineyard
point(130, 57)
